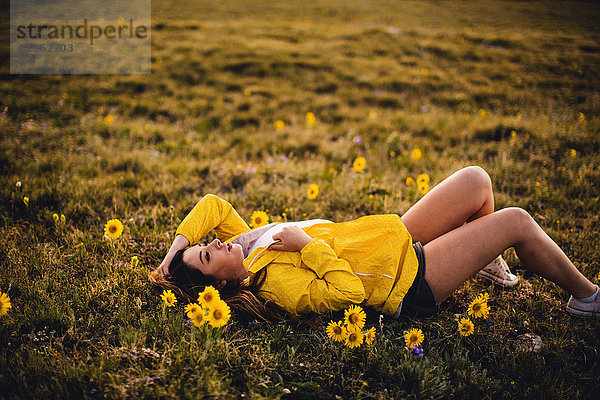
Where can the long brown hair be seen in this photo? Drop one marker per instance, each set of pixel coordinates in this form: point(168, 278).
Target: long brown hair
point(188, 283)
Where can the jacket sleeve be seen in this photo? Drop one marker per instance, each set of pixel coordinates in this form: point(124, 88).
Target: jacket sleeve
point(334, 287)
point(212, 212)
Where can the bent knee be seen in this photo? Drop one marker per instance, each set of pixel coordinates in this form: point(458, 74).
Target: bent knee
point(478, 177)
point(519, 218)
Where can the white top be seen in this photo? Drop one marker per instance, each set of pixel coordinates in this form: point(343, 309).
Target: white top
point(266, 239)
point(263, 236)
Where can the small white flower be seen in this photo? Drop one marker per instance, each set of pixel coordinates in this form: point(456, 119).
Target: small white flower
point(18, 184)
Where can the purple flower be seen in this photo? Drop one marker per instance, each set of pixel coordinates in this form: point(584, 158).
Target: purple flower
point(417, 350)
point(270, 161)
point(283, 158)
point(357, 139)
point(43, 124)
point(424, 109)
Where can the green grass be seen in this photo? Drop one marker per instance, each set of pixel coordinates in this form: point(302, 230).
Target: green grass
point(402, 76)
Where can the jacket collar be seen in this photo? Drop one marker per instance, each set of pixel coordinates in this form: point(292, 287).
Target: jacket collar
point(261, 257)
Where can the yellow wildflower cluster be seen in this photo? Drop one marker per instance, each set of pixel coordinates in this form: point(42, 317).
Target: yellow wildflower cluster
point(422, 183)
point(477, 309)
point(209, 308)
point(349, 330)
point(56, 218)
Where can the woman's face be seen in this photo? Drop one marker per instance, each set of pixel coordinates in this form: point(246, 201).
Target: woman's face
point(218, 260)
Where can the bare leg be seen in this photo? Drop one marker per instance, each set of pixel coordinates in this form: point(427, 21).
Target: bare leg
point(464, 196)
point(454, 257)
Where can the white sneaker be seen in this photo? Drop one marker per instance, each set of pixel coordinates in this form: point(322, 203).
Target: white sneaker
point(577, 307)
point(498, 271)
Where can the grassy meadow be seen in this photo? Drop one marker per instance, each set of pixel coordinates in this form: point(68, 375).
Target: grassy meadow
point(510, 86)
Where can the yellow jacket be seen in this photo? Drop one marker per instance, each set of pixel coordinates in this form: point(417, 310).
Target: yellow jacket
point(353, 262)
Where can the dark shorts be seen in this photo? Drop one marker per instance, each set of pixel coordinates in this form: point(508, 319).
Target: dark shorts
point(419, 300)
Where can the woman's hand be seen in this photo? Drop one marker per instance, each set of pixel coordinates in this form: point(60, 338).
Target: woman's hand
point(179, 243)
point(291, 238)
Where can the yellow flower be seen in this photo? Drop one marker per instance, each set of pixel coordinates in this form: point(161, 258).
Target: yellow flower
point(538, 184)
point(336, 331)
point(414, 337)
point(55, 216)
point(355, 317)
point(4, 304)
point(26, 201)
point(482, 113)
point(581, 117)
point(209, 297)
point(192, 309)
point(372, 114)
point(259, 218)
point(310, 119)
point(313, 192)
point(169, 298)
point(354, 338)
point(424, 71)
point(219, 314)
point(423, 187)
point(466, 327)
point(478, 308)
point(108, 119)
point(513, 134)
point(598, 277)
point(484, 296)
point(423, 178)
point(417, 154)
point(410, 181)
point(279, 124)
point(134, 261)
point(113, 229)
point(198, 319)
point(573, 153)
point(247, 92)
point(370, 335)
point(359, 164)
point(63, 219)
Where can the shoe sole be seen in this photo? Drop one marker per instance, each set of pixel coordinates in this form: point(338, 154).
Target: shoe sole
point(581, 313)
point(495, 279)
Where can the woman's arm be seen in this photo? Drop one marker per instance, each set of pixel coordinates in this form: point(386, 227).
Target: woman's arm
point(212, 212)
point(179, 243)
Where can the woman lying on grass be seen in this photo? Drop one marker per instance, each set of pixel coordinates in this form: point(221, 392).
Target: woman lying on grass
point(395, 266)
